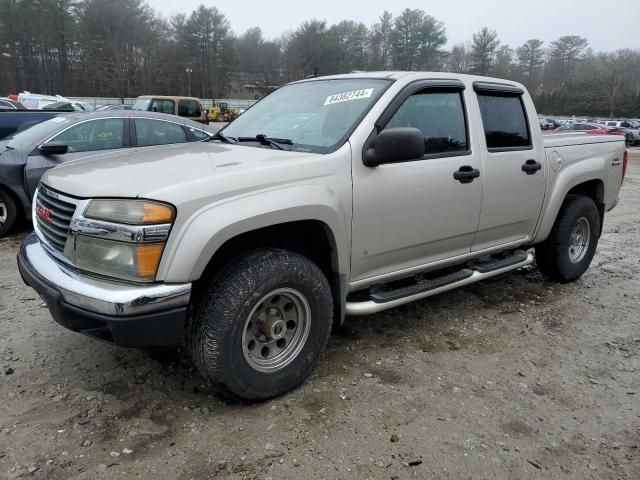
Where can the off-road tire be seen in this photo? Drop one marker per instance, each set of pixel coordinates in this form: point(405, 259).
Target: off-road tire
point(7, 209)
point(552, 256)
point(215, 332)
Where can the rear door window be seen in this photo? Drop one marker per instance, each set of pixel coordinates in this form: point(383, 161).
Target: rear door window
point(505, 122)
point(189, 108)
point(439, 115)
point(103, 134)
point(156, 132)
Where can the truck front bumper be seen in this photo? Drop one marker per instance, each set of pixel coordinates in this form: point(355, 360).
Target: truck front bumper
point(123, 314)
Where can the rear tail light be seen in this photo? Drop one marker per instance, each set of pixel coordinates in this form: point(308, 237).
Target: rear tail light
point(625, 159)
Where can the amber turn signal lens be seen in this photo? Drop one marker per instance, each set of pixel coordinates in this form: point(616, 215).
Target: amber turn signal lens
point(157, 213)
point(147, 259)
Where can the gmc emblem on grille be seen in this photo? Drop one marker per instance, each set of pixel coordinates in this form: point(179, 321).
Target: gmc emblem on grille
point(43, 212)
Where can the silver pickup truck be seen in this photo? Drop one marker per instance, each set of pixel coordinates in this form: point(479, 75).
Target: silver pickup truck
point(334, 196)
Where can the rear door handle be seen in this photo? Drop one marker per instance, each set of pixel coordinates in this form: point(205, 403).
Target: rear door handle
point(466, 174)
point(530, 167)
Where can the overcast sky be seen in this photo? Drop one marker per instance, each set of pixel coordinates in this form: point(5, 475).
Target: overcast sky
point(607, 25)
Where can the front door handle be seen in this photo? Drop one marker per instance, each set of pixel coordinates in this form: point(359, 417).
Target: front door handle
point(466, 174)
point(530, 167)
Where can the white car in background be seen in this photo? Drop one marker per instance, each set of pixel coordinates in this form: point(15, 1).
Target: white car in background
point(34, 101)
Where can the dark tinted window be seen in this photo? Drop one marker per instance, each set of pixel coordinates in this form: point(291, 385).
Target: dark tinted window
point(440, 118)
point(103, 134)
point(189, 108)
point(504, 120)
point(157, 132)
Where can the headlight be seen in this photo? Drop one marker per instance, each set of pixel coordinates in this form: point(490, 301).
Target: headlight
point(123, 239)
point(127, 261)
point(130, 212)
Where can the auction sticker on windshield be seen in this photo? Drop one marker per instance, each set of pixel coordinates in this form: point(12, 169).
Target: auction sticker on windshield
point(348, 96)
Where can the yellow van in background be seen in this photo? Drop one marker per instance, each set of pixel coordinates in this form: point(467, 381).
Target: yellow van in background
point(187, 107)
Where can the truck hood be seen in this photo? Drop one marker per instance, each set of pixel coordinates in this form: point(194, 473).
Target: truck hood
point(170, 172)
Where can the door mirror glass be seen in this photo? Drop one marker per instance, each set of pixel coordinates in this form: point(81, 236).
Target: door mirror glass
point(54, 148)
point(396, 145)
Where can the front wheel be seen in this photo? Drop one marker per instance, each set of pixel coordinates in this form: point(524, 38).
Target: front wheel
point(262, 323)
point(8, 213)
point(568, 251)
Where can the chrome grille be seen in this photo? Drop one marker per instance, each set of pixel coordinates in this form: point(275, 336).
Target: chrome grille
point(53, 217)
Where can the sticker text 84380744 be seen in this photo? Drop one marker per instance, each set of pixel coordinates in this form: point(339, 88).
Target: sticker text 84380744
point(347, 96)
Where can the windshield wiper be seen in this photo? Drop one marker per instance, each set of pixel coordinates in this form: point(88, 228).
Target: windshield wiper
point(220, 136)
point(264, 140)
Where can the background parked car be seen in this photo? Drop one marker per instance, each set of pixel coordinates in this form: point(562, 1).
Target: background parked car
point(8, 104)
point(592, 128)
point(69, 107)
point(620, 123)
point(12, 121)
point(36, 101)
point(25, 156)
point(629, 134)
point(545, 124)
point(555, 123)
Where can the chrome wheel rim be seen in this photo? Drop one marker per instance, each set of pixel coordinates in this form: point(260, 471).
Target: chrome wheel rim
point(276, 330)
point(579, 240)
point(3, 213)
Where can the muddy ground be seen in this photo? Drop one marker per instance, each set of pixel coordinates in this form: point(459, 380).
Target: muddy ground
point(510, 378)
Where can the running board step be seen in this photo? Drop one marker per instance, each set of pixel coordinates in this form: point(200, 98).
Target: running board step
point(489, 264)
point(422, 285)
point(424, 288)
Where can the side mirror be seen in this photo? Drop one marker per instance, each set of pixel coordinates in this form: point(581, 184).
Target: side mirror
point(53, 148)
point(396, 145)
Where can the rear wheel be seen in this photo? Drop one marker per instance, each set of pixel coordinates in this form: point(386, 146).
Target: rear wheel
point(260, 327)
point(7, 213)
point(568, 251)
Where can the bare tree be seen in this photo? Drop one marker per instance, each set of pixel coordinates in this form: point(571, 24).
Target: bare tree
point(380, 37)
point(459, 60)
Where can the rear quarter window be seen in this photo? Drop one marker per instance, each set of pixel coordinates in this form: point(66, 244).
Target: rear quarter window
point(189, 108)
point(505, 122)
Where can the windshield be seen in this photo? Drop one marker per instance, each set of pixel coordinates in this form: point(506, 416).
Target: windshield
point(37, 133)
point(142, 104)
point(315, 115)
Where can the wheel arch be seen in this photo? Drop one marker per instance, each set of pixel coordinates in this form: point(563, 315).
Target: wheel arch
point(312, 238)
point(592, 187)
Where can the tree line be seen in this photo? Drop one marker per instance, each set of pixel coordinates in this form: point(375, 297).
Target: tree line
point(123, 48)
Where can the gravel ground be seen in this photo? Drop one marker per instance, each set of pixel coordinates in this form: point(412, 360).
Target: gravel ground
point(510, 378)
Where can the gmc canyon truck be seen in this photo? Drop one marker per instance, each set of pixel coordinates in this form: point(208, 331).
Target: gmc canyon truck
point(334, 196)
